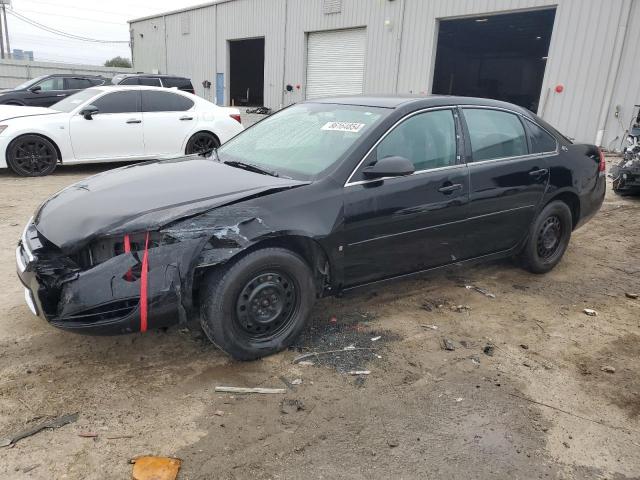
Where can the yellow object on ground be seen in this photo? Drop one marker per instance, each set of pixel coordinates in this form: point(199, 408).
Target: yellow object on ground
point(155, 468)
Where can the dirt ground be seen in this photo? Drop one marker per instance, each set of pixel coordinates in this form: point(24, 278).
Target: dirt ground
point(538, 405)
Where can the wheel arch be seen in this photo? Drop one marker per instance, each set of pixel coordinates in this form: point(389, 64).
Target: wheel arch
point(55, 145)
point(572, 200)
point(201, 130)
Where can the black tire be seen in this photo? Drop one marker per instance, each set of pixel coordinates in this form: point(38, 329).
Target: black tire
point(32, 156)
point(548, 238)
point(201, 142)
point(258, 305)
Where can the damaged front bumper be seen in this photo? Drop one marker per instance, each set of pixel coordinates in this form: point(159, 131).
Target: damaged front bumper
point(104, 298)
point(626, 175)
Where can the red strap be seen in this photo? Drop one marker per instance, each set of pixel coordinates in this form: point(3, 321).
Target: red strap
point(143, 285)
point(127, 249)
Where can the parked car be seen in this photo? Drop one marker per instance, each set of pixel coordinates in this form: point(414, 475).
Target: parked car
point(49, 89)
point(154, 80)
point(319, 198)
point(111, 124)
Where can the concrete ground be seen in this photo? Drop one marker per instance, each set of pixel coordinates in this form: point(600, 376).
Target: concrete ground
point(542, 403)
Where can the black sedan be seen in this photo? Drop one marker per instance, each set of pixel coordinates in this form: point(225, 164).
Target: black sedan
point(49, 89)
point(322, 197)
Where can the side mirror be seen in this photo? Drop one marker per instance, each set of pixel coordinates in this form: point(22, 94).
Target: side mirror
point(35, 89)
point(389, 167)
point(88, 112)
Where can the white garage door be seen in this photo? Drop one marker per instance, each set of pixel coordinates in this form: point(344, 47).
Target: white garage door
point(335, 62)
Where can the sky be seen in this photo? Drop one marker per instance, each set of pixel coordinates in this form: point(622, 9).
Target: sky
point(104, 20)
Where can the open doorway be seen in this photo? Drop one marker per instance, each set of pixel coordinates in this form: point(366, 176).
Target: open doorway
point(246, 72)
point(494, 56)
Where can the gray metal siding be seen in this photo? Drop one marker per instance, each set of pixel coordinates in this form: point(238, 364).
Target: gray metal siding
point(400, 49)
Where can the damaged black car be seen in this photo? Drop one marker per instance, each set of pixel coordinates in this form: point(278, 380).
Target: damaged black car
point(322, 197)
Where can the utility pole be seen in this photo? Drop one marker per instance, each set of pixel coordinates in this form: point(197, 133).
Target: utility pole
point(4, 3)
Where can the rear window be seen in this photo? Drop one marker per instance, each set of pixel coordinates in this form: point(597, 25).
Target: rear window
point(151, 82)
point(181, 83)
point(154, 101)
point(541, 141)
point(495, 134)
point(129, 81)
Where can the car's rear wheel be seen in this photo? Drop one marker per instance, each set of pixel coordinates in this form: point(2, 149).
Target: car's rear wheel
point(201, 142)
point(32, 156)
point(259, 304)
point(548, 239)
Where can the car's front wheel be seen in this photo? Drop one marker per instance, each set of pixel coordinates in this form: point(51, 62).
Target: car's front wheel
point(548, 238)
point(201, 142)
point(32, 156)
point(259, 304)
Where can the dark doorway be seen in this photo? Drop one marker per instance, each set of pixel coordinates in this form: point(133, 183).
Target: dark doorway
point(246, 75)
point(494, 56)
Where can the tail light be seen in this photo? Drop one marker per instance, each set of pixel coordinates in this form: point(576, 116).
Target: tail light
point(236, 117)
point(602, 165)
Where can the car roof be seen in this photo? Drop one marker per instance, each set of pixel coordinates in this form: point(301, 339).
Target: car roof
point(152, 75)
point(119, 88)
point(74, 75)
point(396, 101)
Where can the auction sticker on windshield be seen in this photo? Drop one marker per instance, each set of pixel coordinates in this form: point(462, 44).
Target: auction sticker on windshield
point(343, 126)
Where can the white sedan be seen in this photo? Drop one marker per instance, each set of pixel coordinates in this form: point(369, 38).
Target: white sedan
point(111, 124)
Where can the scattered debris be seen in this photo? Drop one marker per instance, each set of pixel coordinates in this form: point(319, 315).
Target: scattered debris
point(632, 296)
point(583, 369)
point(393, 443)
point(288, 406)
point(259, 110)
point(250, 390)
point(118, 437)
point(88, 435)
point(316, 354)
point(459, 399)
point(489, 350)
point(460, 308)
point(566, 445)
point(475, 360)
point(360, 372)
point(219, 413)
point(284, 380)
point(430, 327)
point(296, 381)
point(608, 369)
point(375, 339)
point(447, 344)
point(527, 364)
point(155, 468)
point(480, 290)
point(30, 467)
point(55, 423)
point(306, 363)
point(590, 312)
point(524, 346)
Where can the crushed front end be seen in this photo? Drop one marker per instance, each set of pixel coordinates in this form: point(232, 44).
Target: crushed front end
point(626, 174)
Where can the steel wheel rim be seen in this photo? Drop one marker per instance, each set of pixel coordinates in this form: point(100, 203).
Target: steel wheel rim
point(33, 156)
point(202, 143)
point(549, 237)
point(267, 305)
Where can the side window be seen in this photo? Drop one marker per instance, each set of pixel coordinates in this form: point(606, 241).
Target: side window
point(153, 101)
point(151, 82)
point(181, 83)
point(129, 81)
point(53, 83)
point(118, 102)
point(495, 134)
point(427, 139)
point(541, 141)
point(77, 83)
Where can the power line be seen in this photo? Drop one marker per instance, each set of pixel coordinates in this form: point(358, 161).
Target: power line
point(123, 23)
point(60, 32)
point(61, 5)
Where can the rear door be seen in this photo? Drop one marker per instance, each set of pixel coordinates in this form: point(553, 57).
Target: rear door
point(507, 180)
point(114, 133)
point(168, 120)
point(400, 225)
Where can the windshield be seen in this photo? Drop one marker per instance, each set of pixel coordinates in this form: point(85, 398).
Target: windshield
point(303, 140)
point(72, 101)
point(28, 83)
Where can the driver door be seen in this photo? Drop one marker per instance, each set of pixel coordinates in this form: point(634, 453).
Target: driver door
point(115, 132)
point(394, 226)
point(51, 91)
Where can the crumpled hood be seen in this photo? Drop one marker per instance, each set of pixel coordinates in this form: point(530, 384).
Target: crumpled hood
point(15, 111)
point(146, 197)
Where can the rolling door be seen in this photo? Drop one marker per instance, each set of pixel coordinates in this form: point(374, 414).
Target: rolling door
point(335, 62)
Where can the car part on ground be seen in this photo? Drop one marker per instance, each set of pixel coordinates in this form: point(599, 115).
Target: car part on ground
point(245, 240)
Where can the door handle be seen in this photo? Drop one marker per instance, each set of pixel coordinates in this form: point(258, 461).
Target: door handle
point(539, 173)
point(134, 120)
point(186, 118)
point(447, 189)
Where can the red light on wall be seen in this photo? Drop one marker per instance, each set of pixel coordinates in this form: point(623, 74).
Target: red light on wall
point(559, 88)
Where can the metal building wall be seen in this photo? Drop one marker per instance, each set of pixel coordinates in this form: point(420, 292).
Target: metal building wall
point(401, 46)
